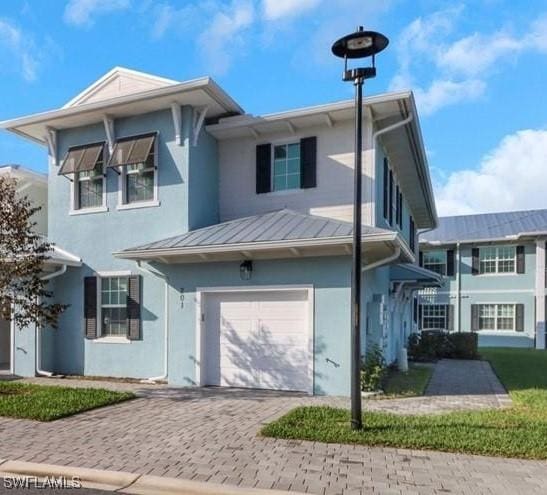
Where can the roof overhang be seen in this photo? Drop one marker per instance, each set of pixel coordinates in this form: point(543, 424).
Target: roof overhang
point(521, 236)
point(404, 145)
point(198, 93)
point(24, 175)
point(414, 274)
point(375, 247)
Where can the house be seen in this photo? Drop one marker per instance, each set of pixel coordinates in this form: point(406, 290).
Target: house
point(216, 245)
point(32, 185)
point(494, 269)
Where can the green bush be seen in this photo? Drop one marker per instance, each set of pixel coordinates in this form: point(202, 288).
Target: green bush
point(373, 369)
point(431, 345)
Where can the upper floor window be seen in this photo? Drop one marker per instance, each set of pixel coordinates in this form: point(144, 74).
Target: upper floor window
point(286, 167)
point(136, 159)
point(435, 261)
point(85, 164)
point(497, 259)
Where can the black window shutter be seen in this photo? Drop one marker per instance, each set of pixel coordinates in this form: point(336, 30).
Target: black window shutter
point(450, 263)
point(475, 261)
point(134, 308)
point(420, 309)
point(520, 259)
point(400, 222)
point(474, 317)
point(90, 307)
point(415, 310)
point(386, 188)
point(391, 197)
point(519, 317)
point(263, 168)
point(412, 234)
point(421, 259)
point(308, 162)
point(397, 205)
point(450, 317)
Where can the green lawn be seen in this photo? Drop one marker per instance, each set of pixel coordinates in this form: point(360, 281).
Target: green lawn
point(410, 384)
point(47, 403)
point(519, 431)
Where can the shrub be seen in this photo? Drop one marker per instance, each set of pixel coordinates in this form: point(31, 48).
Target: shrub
point(431, 345)
point(373, 369)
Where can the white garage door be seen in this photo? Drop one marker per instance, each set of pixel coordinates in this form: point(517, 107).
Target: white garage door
point(257, 339)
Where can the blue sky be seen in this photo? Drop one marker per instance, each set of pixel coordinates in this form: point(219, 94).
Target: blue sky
point(479, 70)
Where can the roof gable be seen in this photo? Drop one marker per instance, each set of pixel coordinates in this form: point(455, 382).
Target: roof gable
point(119, 82)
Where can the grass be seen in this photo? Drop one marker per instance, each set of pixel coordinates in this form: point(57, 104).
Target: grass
point(411, 384)
point(47, 403)
point(519, 431)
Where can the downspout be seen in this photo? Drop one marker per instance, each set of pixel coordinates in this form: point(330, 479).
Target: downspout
point(38, 340)
point(459, 286)
point(375, 137)
point(383, 261)
point(166, 323)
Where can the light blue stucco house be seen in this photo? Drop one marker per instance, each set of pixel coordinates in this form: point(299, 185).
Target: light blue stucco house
point(494, 277)
point(215, 245)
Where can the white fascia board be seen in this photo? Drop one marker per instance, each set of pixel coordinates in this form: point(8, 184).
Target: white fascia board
point(205, 83)
point(484, 240)
point(254, 246)
point(250, 120)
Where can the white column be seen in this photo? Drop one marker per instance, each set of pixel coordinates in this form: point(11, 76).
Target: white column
point(540, 294)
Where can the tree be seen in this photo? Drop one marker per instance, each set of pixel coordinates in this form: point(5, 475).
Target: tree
point(22, 256)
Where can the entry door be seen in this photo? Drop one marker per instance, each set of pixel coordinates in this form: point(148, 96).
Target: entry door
point(257, 339)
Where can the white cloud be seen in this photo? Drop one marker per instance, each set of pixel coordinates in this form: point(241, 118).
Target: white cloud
point(18, 50)
point(274, 10)
point(444, 92)
point(83, 12)
point(457, 69)
point(510, 177)
point(226, 34)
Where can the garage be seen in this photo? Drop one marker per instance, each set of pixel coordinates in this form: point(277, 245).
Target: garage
point(258, 339)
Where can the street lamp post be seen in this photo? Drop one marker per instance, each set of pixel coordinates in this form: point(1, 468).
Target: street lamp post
point(359, 44)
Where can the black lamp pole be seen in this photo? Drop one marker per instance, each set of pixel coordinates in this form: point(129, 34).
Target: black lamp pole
point(358, 45)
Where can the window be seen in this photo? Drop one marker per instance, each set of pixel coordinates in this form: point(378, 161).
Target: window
point(497, 317)
point(434, 317)
point(497, 259)
point(286, 167)
point(435, 261)
point(114, 292)
point(90, 187)
point(140, 179)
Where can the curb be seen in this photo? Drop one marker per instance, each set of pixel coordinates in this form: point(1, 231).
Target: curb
point(129, 483)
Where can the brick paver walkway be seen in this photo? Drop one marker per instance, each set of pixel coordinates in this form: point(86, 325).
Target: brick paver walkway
point(210, 435)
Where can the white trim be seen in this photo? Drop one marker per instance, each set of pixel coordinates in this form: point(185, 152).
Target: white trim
point(200, 309)
point(89, 211)
point(478, 291)
point(110, 339)
point(142, 204)
point(176, 113)
point(12, 342)
point(539, 327)
point(118, 273)
point(199, 119)
point(51, 140)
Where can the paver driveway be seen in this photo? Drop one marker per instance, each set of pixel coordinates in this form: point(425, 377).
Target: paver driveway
point(210, 435)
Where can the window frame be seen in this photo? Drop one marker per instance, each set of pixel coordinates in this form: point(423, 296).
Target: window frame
point(423, 316)
point(122, 182)
point(497, 316)
point(444, 264)
point(101, 336)
point(285, 142)
point(75, 208)
point(497, 260)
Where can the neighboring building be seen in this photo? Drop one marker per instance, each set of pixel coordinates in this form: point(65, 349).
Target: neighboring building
point(216, 246)
point(494, 269)
point(34, 186)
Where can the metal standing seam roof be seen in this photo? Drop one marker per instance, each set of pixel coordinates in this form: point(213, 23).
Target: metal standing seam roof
point(281, 225)
point(487, 226)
